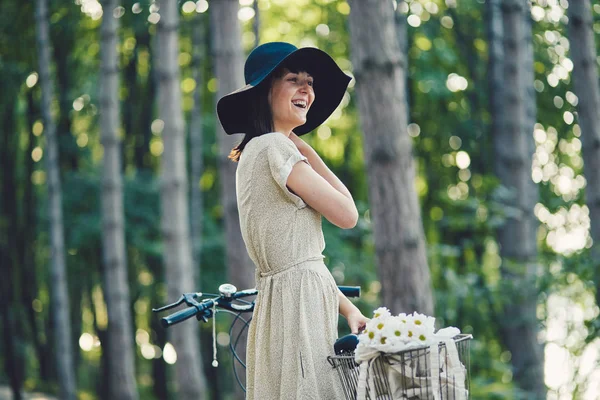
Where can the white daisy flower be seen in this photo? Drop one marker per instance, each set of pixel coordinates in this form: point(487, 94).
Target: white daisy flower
point(402, 317)
point(381, 312)
point(419, 319)
point(392, 332)
point(411, 330)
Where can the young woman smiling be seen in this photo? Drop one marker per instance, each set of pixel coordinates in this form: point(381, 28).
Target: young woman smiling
point(283, 189)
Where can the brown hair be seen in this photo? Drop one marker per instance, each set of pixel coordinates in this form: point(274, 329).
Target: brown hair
point(261, 117)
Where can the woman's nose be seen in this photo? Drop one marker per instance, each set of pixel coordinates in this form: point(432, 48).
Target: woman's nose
point(304, 86)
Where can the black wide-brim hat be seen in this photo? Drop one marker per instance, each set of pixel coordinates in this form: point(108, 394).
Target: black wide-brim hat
point(330, 84)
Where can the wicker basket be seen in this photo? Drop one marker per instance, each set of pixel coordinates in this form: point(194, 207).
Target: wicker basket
point(411, 366)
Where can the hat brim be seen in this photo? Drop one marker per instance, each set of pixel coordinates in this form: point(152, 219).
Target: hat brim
point(330, 84)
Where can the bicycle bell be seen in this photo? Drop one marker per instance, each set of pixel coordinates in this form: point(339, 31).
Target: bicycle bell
point(227, 290)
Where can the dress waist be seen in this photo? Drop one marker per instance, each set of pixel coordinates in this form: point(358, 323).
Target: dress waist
point(302, 264)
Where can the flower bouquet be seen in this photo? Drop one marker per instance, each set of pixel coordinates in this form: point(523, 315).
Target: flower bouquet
point(419, 362)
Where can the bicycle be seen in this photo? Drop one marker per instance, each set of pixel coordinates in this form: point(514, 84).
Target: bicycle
point(228, 300)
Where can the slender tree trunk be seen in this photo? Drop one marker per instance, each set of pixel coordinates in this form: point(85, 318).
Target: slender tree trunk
point(159, 366)
point(10, 337)
point(380, 71)
point(228, 64)
point(585, 75)
point(121, 353)
point(228, 67)
point(11, 285)
point(58, 277)
point(174, 203)
point(495, 66)
point(65, 33)
point(517, 238)
point(196, 147)
point(131, 105)
point(140, 106)
point(29, 228)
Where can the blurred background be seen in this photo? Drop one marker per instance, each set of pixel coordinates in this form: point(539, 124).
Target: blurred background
point(469, 138)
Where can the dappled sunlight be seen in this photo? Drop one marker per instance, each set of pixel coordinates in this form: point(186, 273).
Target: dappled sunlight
point(549, 11)
point(91, 8)
point(567, 230)
point(89, 342)
point(547, 165)
point(169, 354)
point(456, 83)
point(570, 365)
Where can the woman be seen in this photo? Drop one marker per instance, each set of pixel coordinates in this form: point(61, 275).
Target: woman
point(283, 188)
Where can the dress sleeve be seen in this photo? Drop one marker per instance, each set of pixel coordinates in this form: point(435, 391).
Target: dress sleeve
point(283, 155)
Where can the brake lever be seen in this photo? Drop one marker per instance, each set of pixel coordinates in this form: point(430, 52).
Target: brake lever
point(169, 306)
point(187, 298)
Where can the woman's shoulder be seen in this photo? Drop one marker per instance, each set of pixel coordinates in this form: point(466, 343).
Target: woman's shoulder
point(267, 140)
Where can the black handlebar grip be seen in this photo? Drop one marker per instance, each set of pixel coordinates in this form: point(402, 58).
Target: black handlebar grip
point(350, 291)
point(179, 316)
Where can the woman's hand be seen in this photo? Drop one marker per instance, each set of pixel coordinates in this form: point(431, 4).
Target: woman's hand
point(356, 321)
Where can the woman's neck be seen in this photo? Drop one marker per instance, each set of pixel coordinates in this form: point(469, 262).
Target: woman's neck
point(282, 130)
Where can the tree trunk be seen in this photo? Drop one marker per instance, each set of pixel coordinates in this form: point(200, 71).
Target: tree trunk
point(228, 59)
point(130, 110)
point(121, 353)
point(11, 283)
point(514, 147)
point(495, 66)
point(58, 278)
point(585, 76)
point(196, 147)
point(65, 33)
point(139, 106)
point(380, 71)
point(29, 271)
point(401, 24)
point(174, 203)
point(228, 68)
point(13, 358)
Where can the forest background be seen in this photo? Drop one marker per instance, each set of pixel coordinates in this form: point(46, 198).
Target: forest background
point(490, 109)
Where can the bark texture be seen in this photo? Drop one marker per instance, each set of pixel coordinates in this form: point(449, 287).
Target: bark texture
point(401, 24)
point(120, 346)
point(12, 284)
point(196, 147)
point(228, 59)
point(174, 203)
point(585, 76)
point(59, 295)
point(514, 146)
point(380, 71)
point(495, 67)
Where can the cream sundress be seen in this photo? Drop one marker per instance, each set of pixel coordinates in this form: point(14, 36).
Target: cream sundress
point(295, 318)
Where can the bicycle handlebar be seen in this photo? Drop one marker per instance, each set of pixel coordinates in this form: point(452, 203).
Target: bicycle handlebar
point(203, 310)
point(178, 316)
point(350, 291)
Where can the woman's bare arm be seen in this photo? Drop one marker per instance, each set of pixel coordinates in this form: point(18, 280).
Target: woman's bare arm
point(356, 320)
point(321, 189)
point(319, 166)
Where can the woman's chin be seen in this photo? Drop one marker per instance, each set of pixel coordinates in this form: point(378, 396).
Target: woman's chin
point(300, 122)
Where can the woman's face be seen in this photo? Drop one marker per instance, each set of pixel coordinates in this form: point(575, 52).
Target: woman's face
point(290, 98)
